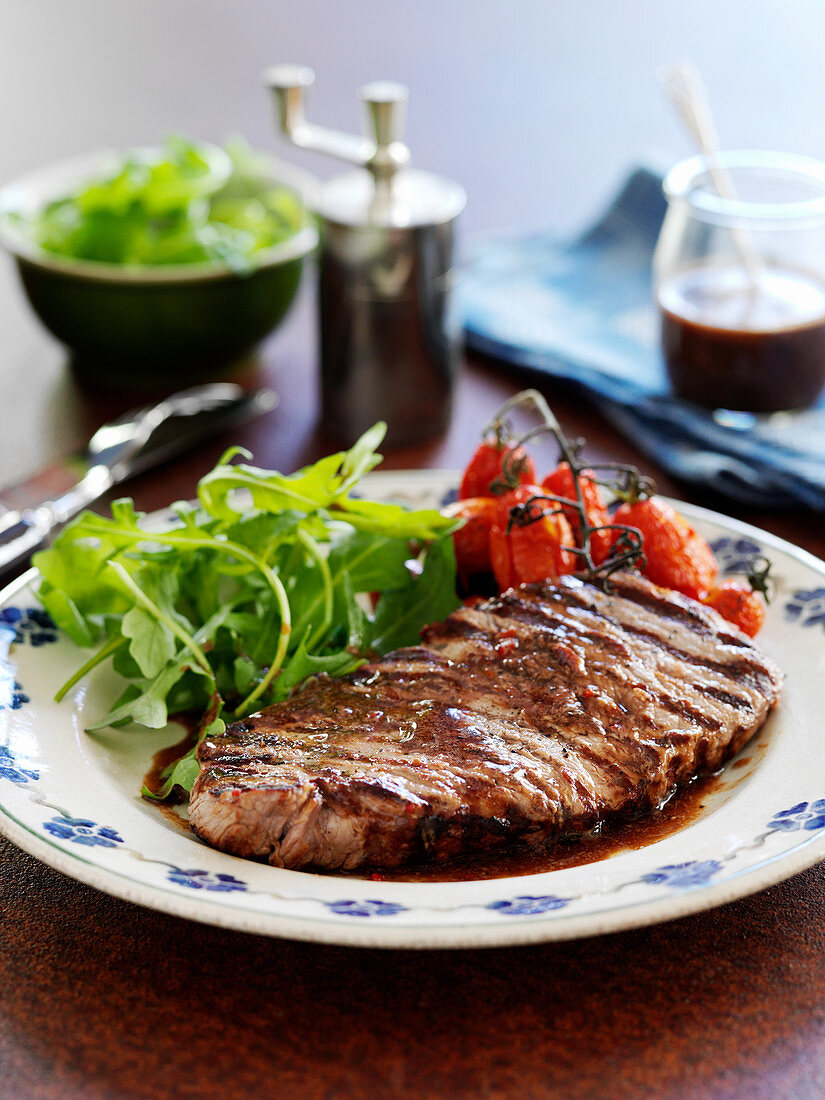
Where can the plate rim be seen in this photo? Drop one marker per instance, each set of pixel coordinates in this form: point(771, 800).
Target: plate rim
point(424, 937)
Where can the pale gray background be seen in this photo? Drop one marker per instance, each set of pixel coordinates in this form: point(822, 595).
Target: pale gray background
point(537, 106)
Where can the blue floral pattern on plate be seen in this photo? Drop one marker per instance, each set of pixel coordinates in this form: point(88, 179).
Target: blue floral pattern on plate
point(680, 875)
point(735, 555)
point(79, 830)
point(12, 696)
point(365, 908)
point(807, 607)
point(30, 624)
point(526, 905)
point(804, 815)
point(11, 768)
point(206, 880)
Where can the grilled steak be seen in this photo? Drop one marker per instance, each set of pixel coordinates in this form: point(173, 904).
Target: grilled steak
point(538, 712)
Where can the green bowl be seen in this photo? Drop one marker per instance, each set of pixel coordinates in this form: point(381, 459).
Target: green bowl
point(144, 327)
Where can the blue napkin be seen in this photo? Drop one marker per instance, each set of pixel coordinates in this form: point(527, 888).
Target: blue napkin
point(582, 311)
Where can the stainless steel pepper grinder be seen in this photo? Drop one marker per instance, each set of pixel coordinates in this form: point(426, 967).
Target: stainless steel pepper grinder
point(388, 344)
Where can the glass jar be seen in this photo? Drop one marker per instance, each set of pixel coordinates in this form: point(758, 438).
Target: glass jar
point(739, 277)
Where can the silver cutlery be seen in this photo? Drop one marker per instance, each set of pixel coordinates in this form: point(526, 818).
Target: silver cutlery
point(134, 442)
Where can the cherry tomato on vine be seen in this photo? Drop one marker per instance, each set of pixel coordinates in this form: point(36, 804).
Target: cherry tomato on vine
point(472, 541)
point(522, 552)
point(676, 554)
point(560, 482)
point(495, 462)
point(737, 602)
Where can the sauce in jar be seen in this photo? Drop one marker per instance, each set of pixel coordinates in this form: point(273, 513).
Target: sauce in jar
point(731, 341)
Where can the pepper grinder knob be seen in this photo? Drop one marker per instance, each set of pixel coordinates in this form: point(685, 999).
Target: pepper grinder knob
point(288, 84)
point(384, 103)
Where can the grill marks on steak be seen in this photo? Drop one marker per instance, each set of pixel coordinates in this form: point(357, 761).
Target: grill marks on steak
point(540, 711)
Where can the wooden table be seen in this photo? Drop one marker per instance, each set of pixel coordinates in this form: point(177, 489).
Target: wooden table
point(101, 998)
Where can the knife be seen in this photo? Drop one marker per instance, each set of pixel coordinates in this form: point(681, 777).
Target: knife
point(134, 442)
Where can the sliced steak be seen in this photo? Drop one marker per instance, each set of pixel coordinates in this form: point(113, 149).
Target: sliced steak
point(538, 712)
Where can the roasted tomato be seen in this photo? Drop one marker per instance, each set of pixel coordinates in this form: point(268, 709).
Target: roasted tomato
point(496, 463)
point(472, 541)
point(560, 483)
point(520, 551)
point(737, 602)
point(676, 554)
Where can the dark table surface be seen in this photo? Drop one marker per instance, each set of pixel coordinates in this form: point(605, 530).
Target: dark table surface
point(102, 998)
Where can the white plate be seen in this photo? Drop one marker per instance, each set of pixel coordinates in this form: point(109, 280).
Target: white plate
point(72, 800)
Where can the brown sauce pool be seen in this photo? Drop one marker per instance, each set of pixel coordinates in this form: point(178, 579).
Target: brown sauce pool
point(605, 840)
point(622, 834)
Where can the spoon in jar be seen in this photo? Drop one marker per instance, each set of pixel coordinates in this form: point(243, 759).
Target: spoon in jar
point(683, 86)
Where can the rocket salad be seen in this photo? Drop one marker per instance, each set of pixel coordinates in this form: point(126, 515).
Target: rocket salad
point(180, 204)
point(257, 587)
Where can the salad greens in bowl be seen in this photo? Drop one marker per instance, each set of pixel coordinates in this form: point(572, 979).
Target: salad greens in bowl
point(161, 265)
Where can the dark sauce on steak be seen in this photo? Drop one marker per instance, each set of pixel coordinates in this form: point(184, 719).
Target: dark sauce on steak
point(573, 850)
point(618, 835)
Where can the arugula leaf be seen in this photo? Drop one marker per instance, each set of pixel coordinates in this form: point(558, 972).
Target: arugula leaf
point(67, 615)
point(426, 598)
point(245, 674)
point(303, 665)
point(148, 708)
point(309, 489)
point(152, 642)
point(73, 588)
point(265, 532)
point(308, 592)
point(393, 520)
point(359, 626)
point(372, 562)
point(362, 456)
